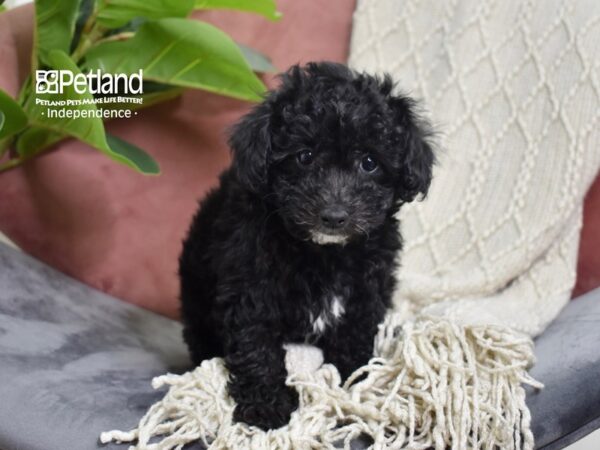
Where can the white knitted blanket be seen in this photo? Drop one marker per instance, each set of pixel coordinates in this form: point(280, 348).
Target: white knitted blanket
point(489, 259)
point(514, 87)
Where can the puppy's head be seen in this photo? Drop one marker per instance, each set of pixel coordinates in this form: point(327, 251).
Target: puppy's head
point(334, 151)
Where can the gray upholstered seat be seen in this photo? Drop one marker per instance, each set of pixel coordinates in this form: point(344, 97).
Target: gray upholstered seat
point(75, 362)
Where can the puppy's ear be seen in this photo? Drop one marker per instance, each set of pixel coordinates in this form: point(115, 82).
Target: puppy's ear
point(417, 152)
point(250, 142)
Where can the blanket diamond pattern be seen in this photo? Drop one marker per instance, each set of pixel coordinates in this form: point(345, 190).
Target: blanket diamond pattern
point(514, 89)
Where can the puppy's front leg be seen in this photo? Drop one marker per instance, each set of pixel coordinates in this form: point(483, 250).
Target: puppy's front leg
point(256, 361)
point(349, 345)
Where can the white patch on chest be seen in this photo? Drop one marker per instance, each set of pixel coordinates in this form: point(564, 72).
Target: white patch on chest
point(323, 239)
point(319, 325)
point(335, 309)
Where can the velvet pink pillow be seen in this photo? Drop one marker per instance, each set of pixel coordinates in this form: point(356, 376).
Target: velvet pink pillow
point(588, 267)
point(119, 231)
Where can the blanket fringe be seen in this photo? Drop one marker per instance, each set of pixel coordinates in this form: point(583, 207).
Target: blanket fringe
point(431, 384)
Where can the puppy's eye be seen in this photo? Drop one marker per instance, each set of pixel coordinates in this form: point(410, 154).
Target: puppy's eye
point(368, 164)
point(305, 157)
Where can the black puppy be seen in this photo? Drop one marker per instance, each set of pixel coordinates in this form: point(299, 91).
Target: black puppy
point(299, 242)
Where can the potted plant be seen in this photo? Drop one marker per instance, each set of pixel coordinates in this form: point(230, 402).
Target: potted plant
point(83, 39)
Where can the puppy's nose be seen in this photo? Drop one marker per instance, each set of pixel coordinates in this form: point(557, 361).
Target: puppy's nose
point(334, 217)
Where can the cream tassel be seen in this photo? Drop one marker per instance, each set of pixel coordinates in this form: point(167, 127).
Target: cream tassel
point(431, 383)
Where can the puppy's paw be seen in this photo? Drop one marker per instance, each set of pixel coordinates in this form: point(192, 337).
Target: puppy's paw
point(269, 413)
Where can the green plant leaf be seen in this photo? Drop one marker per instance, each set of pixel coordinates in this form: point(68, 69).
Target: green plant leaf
point(54, 25)
point(133, 153)
point(36, 139)
point(15, 118)
point(87, 129)
point(1, 121)
point(258, 61)
point(130, 27)
point(116, 13)
point(2, 8)
point(86, 9)
point(265, 8)
point(181, 52)
point(149, 98)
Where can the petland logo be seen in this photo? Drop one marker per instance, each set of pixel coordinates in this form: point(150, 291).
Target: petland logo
point(94, 82)
point(112, 96)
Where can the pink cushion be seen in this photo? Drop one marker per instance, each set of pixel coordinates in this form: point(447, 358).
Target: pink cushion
point(588, 267)
point(119, 231)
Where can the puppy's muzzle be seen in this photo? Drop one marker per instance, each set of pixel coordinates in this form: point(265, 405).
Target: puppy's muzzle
point(334, 218)
point(333, 224)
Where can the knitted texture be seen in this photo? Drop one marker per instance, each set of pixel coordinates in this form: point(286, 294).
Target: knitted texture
point(489, 259)
point(514, 88)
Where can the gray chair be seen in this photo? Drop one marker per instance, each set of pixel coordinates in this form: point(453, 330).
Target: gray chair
point(75, 362)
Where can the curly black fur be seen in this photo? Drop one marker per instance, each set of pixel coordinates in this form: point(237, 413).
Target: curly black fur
point(299, 242)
